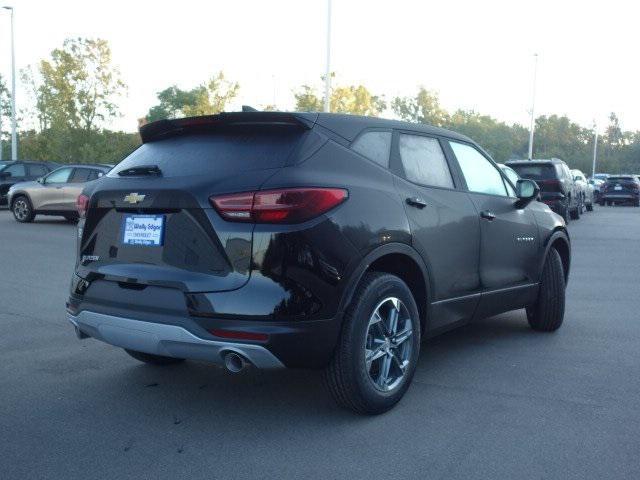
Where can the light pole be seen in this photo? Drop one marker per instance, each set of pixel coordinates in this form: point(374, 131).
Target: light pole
point(595, 148)
point(533, 105)
point(14, 138)
point(327, 73)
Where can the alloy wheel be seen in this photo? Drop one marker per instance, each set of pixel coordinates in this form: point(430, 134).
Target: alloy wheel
point(21, 209)
point(388, 351)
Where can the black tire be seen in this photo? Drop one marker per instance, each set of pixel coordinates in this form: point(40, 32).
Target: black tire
point(22, 209)
point(153, 359)
point(601, 202)
point(347, 377)
point(565, 215)
point(575, 213)
point(636, 202)
point(547, 314)
point(590, 207)
point(71, 218)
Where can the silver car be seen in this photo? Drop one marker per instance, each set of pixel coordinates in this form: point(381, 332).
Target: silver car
point(54, 194)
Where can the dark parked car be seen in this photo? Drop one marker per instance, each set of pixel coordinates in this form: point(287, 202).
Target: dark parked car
point(54, 194)
point(21, 171)
point(309, 240)
point(621, 189)
point(557, 188)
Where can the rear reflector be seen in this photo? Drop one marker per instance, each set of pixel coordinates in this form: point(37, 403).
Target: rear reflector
point(82, 203)
point(237, 335)
point(288, 205)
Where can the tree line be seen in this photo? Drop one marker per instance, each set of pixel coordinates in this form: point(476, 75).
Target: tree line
point(75, 92)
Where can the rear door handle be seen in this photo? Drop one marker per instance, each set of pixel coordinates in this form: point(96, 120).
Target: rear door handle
point(488, 215)
point(416, 202)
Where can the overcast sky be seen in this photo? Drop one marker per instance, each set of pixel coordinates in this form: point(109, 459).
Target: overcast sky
point(476, 54)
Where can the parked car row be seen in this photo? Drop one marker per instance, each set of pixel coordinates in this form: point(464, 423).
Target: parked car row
point(44, 188)
point(565, 191)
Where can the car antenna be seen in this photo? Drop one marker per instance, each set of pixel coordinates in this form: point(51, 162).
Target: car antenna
point(248, 108)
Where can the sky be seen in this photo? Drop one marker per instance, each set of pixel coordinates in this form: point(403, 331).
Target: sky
point(476, 54)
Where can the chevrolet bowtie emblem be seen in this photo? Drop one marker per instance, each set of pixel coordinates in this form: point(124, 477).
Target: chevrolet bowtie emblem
point(134, 198)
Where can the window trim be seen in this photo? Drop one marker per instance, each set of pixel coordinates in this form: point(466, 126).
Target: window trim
point(481, 151)
point(374, 129)
point(397, 167)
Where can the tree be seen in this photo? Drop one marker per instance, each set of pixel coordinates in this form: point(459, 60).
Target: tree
point(353, 99)
point(78, 86)
point(207, 98)
point(424, 107)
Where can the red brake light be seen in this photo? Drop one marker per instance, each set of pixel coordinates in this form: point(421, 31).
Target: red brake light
point(239, 335)
point(287, 205)
point(82, 204)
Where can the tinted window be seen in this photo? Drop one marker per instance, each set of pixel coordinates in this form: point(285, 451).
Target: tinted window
point(95, 174)
point(481, 175)
point(80, 175)
point(16, 170)
point(375, 146)
point(37, 170)
point(216, 154)
point(59, 176)
point(424, 162)
point(535, 171)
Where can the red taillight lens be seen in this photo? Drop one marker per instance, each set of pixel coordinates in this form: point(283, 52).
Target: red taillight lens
point(239, 335)
point(287, 205)
point(82, 203)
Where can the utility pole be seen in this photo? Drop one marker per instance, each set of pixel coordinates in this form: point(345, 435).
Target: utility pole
point(14, 136)
point(327, 73)
point(533, 105)
point(595, 148)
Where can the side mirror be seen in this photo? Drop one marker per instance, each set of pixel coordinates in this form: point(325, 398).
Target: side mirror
point(40, 180)
point(527, 191)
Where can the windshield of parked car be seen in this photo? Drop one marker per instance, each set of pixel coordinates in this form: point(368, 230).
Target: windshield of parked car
point(536, 171)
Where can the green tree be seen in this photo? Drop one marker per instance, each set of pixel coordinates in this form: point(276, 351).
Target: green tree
point(353, 99)
point(424, 107)
point(209, 98)
point(78, 86)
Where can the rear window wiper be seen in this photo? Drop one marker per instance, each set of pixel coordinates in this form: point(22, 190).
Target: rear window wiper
point(140, 171)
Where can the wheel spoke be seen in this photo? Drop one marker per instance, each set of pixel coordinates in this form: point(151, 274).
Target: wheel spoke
point(393, 318)
point(373, 355)
point(402, 365)
point(383, 379)
point(403, 336)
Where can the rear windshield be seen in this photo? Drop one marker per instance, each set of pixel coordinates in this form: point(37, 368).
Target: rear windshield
point(535, 172)
point(620, 179)
point(215, 153)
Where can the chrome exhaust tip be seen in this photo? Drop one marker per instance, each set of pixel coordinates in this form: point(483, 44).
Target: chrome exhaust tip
point(234, 362)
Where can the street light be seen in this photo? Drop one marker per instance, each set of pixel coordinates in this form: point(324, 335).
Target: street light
point(533, 104)
point(14, 138)
point(595, 148)
point(327, 73)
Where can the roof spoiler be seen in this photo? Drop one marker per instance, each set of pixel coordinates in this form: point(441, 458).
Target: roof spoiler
point(164, 128)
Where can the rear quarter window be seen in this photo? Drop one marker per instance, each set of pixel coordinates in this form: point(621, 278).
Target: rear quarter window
point(375, 145)
point(215, 153)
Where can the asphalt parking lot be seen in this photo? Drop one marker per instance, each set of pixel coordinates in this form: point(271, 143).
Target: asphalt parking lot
point(491, 400)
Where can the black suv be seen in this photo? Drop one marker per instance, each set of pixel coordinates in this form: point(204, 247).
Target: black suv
point(621, 189)
point(309, 240)
point(21, 171)
point(557, 188)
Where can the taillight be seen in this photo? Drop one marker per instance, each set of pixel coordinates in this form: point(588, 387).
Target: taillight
point(287, 205)
point(82, 203)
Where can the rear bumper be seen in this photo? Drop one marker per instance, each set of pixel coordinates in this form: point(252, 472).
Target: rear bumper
point(619, 196)
point(166, 340)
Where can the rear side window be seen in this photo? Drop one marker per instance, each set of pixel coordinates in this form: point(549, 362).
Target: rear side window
point(16, 170)
point(59, 176)
point(216, 154)
point(37, 170)
point(80, 175)
point(424, 162)
point(375, 146)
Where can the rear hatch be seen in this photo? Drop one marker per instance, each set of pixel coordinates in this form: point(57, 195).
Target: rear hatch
point(544, 174)
point(621, 186)
point(150, 221)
